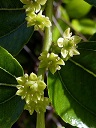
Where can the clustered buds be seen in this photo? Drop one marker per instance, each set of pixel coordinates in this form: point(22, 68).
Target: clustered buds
point(39, 21)
point(31, 89)
point(34, 14)
point(68, 44)
point(33, 5)
point(50, 61)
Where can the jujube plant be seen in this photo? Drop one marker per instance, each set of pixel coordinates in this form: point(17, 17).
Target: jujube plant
point(66, 69)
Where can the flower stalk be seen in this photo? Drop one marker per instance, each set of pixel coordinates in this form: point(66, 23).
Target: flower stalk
point(48, 31)
point(40, 120)
point(46, 47)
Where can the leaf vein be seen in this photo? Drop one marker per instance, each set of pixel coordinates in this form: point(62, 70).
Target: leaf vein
point(74, 97)
point(84, 68)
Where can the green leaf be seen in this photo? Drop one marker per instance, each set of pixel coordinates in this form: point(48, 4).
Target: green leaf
point(85, 26)
point(14, 20)
point(93, 37)
point(10, 64)
point(10, 4)
point(77, 9)
point(11, 105)
point(7, 90)
point(9, 111)
point(74, 86)
point(92, 2)
point(14, 33)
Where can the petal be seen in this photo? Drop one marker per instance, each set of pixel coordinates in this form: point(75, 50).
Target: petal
point(60, 62)
point(41, 86)
point(58, 67)
point(38, 7)
point(40, 77)
point(64, 53)
point(26, 1)
point(52, 69)
point(22, 80)
point(42, 2)
point(29, 8)
point(46, 22)
point(67, 33)
point(52, 56)
point(74, 52)
point(76, 39)
point(19, 92)
point(33, 76)
point(60, 42)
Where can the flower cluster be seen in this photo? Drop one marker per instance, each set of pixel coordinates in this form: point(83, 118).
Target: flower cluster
point(31, 89)
point(50, 61)
point(33, 5)
point(39, 21)
point(34, 14)
point(68, 44)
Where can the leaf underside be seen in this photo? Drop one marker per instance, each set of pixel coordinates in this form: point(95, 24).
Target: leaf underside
point(74, 86)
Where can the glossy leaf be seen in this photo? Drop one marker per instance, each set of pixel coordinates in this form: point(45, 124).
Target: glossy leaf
point(72, 90)
point(14, 32)
point(93, 2)
point(11, 105)
point(10, 110)
point(10, 64)
point(14, 20)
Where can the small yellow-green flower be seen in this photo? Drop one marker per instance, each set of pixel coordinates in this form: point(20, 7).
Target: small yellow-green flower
point(31, 89)
point(26, 1)
point(68, 44)
point(39, 106)
point(50, 61)
point(34, 15)
point(33, 5)
point(39, 21)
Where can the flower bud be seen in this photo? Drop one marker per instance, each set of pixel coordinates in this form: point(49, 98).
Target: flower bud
point(31, 89)
point(50, 61)
point(39, 21)
point(31, 5)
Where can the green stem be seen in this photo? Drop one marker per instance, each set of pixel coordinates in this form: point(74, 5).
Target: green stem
point(46, 47)
point(48, 31)
point(40, 120)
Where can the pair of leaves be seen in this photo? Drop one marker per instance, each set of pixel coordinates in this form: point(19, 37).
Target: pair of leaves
point(74, 86)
